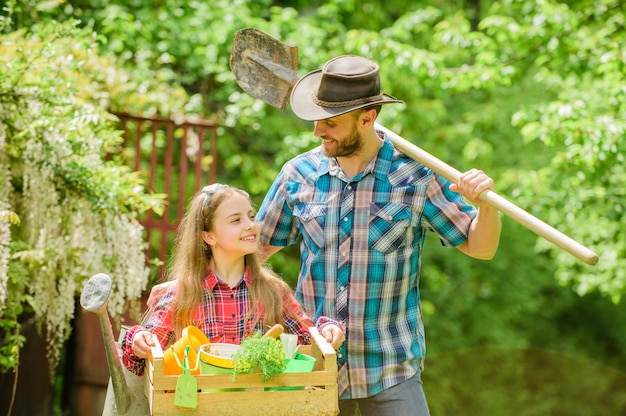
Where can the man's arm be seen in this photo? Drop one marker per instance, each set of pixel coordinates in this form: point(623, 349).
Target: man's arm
point(484, 233)
point(265, 251)
point(157, 292)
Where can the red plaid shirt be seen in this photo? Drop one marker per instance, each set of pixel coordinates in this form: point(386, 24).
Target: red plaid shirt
point(221, 318)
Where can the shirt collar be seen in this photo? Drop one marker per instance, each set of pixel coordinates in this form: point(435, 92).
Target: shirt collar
point(379, 166)
point(211, 280)
point(382, 162)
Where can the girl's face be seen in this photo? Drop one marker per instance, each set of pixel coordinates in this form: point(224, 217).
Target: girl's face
point(234, 231)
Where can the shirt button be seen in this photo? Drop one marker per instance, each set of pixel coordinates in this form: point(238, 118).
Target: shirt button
point(233, 315)
point(345, 219)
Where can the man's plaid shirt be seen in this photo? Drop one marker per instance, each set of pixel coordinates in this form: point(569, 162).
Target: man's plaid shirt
point(361, 243)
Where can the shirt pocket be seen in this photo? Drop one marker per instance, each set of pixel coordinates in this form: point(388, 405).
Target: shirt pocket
point(312, 219)
point(214, 330)
point(388, 227)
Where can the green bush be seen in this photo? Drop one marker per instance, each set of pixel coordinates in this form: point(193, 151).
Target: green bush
point(68, 206)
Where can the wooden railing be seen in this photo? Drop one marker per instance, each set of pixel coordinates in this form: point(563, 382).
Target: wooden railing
point(177, 158)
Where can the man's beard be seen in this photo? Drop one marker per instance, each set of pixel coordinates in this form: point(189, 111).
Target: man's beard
point(348, 146)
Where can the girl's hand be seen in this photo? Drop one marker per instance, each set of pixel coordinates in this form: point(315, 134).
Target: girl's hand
point(142, 342)
point(334, 335)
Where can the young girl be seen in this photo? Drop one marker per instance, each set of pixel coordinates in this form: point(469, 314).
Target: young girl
point(219, 284)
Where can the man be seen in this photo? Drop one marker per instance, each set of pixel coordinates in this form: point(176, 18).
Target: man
point(361, 210)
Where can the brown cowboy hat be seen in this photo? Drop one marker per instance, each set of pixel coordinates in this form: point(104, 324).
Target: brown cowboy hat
point(344, 83)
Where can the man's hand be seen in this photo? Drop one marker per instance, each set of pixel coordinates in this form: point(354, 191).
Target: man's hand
point(157, 292)
point(471, 184)
point(483, 235)
point(333, 335)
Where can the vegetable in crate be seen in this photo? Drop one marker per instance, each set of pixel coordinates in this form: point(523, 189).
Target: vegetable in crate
point(258, 354)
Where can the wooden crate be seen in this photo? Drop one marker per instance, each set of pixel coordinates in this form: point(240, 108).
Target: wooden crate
point(317, 398)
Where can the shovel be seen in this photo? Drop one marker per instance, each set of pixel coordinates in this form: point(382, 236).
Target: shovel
point(267, 69)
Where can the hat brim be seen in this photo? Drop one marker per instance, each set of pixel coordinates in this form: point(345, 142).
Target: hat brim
point(304, 107)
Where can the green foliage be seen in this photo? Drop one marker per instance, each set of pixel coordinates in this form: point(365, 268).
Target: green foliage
point(582, 66)
point(258, 354)
point(502, 381)
point(19, 300)
point(67, 211)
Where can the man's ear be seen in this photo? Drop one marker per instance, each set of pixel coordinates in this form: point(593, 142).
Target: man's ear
point(368, 117)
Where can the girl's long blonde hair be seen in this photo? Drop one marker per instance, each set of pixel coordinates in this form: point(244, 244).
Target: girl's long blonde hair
point(190, 266)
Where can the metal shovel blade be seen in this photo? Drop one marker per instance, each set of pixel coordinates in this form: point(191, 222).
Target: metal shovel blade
point(264, 67)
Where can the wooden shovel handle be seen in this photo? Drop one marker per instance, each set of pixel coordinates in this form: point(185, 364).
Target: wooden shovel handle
point(513, 211)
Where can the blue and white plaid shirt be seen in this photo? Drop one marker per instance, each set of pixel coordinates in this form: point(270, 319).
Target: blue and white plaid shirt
point(361, 243)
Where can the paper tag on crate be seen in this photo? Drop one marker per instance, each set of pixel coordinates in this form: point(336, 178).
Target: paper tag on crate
point(186, 391)
point(186, 386)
